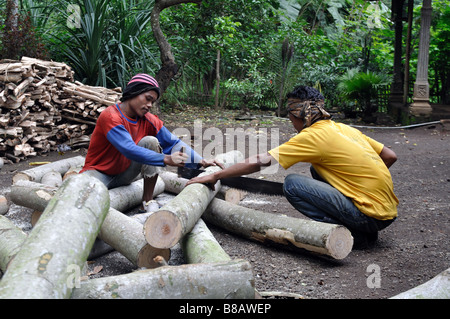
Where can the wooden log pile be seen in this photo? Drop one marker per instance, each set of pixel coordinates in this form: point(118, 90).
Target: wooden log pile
point(42, 107)
point(207, 274)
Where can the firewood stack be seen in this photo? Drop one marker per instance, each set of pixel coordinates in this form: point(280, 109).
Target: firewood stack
point(41, 107)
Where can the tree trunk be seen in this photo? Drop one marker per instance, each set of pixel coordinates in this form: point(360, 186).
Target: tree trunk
point(323, 238)
point(119, 231)
point(329, 239)
point(200, 246)
point(436, 288)
point(11, 239)
point(216, 104)
point(168, 225)
point(4, 204)
point(60, 242)
point(169, 68)
point(35, 174)
point(230, 280)
point(126, 236)
point(52, 178)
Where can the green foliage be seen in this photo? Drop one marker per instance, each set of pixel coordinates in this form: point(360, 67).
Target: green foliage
point(359, 89)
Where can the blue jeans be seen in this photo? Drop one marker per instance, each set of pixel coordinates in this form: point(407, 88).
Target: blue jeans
point(320, 201)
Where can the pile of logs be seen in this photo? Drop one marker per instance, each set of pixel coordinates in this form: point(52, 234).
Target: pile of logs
point(93, 221)
point(41, 107)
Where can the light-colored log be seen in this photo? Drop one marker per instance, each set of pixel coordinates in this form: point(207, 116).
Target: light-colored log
point(52, 178)
point(35, 174)
point(5, 203)
point(11, 240)
point(170, 223)
point(118, 230)
point(200, 246)
point(436, 288)
point(126, 236)
point(227, 280)
point(60, 241)
point(323, 238)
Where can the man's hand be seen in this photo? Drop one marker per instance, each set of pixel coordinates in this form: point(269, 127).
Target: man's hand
point(209, 180)
point(175, 159)
point(206, 163)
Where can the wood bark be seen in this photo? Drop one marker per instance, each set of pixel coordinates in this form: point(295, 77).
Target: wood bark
point(226, 280)
point(323, 238)
point(11, 240)
point(328, 239)
point(4, 204)
point(35, 174)
point(200, 246)
point(435, 288)
point(170, 223)
point(126, 235)
point(61, 240)
point(169, 68)
point(119, 231)
point(52, 178)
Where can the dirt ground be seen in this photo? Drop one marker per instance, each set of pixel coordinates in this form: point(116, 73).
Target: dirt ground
point(408, 253)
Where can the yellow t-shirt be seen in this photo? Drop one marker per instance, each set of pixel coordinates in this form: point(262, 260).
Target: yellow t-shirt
point(348, 160)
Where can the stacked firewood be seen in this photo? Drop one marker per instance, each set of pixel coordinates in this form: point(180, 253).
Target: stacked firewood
point(41, 107)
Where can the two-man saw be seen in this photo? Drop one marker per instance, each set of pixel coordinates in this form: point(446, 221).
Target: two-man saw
point(245, 183)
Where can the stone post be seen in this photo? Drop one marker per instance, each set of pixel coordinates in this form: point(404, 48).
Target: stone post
point(421, 104)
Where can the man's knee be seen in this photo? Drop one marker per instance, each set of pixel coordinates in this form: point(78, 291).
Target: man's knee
point(151, 143)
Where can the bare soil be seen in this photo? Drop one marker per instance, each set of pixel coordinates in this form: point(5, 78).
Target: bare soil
point(408, 253)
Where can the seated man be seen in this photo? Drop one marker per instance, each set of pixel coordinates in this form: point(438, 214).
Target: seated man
point(128, 140)
point(351, 184)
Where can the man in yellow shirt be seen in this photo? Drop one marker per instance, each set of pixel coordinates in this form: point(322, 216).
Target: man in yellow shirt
point(351, 183)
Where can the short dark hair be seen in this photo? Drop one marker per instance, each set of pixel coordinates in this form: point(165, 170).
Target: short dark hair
point(305, 93)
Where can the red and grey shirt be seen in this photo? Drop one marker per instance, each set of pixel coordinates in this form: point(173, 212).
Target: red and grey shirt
point(114, 141)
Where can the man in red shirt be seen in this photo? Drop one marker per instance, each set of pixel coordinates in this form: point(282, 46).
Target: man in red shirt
point(128, 140)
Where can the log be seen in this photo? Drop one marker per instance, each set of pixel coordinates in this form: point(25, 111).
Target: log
point(323, 238)
point(60, 240)
point(4, 204)
point(200, 246)
point(52, 178)
point(230, 280)
point(11, 240)
point(119, 231)
point(436, 288)
point(126, 197)
point(125, 235)
point(35, 174)
point(170, 223)
point(333, 240)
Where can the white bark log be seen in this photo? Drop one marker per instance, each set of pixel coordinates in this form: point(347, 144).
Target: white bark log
point(328, 239)
point(61, 240)
point(228, 280)
point(323, 238)
point(11, 240)
point(5, 203)
point(168, 225)
point(52, 178)
point(119, 231)
point(435, 288)
point(35, 174)
point(200, 246)
point(126, 235)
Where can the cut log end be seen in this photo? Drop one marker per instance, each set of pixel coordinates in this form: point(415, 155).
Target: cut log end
point(148, 256)
point(162, 229)
point(339, 243)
